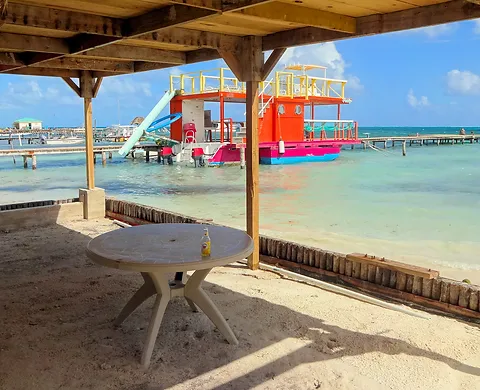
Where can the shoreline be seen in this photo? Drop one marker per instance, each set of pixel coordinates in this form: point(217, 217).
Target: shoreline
point(334, 242)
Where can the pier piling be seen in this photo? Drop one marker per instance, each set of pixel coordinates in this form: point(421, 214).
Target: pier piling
point(242, 158)
point(34, 162)
point(110, 155)
point(104, 158)
point(147, 156)
point(404, 148)
point(25, 163)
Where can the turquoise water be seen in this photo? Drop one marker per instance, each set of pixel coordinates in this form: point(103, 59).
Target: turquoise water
point(422, 208)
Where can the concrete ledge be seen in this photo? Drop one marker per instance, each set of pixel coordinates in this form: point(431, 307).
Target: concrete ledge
point(25, 218)
point(93, 203)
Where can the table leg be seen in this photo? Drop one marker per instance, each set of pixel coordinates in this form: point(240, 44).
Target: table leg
point(142, 294)
point(195, 293)
point(163, 297)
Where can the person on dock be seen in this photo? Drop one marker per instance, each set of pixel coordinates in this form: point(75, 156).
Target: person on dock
point(462, 131)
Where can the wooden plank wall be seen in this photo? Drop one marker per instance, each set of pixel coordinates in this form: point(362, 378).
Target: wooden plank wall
point(434, 292)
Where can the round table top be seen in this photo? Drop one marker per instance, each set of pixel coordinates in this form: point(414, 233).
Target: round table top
point(169, 247)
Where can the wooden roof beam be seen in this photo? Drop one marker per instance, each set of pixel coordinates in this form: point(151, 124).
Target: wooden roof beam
point(452, 11)
point(28, 43)
point(75, 88)
point(49, 72)
point(235, 5)
point(194, 38)
point(146, 54)
point(88, 64)
point(291, 13)
point(61, 20)
point(33, 43)
point(161, 18)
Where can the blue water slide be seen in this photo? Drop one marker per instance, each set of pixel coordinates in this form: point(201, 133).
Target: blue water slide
point(163, 122)
point(138, 132)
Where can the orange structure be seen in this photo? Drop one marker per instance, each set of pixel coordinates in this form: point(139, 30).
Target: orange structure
point(283, 100)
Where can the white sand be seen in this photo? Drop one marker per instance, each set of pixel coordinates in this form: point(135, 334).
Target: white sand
point(56, 310)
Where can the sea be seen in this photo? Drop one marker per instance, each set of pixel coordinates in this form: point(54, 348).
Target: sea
point(423, 208)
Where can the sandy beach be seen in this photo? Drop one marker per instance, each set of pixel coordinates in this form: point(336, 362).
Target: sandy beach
point(57, 310)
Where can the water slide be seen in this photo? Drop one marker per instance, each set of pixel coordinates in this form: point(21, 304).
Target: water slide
point(138, 132)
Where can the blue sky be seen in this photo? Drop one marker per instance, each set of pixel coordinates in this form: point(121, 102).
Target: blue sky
point(424, 77)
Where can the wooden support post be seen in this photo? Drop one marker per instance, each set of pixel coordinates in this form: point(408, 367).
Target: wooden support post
point(25, 163)
point(34, 162)
point(86, 88)
point(404, 148)
point(252, 159)
point(147, 156)
point(252, 67)
point(104, 158)
point(242, 158)
point(110, 155)
point(246, 62)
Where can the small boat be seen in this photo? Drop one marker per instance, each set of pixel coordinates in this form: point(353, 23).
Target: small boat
point(63, 141)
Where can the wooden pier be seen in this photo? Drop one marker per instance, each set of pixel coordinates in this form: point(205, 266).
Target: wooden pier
point(33, 153)
point(424, 139)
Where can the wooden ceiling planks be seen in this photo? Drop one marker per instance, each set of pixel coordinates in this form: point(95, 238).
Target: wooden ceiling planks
point(139, 36)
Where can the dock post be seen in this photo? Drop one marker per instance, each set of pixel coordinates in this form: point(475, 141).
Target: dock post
point(94, 158)
point(384, 144)
point(353, 146)
point(364, 145)
point(34, 162)
point(242, 158)
point(404, 148)
point(159, 155)
point(393, 143)
point(104, 158)
point(25, 163)
point(147, 157)
point(438, 142)
point(110, 155)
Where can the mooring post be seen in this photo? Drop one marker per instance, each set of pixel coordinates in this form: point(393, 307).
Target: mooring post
point(94, 158)
point(384, 144)
point(353, 146)
point(404, 148)
point(364, 145)
point(159, 155)
point(147, 156)
point(25, 163)
point(104, 158)
point(110, 155)
point(34, 162)
point(242, 158)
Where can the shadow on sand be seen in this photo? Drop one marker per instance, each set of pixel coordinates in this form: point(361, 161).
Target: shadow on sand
point(57, 310)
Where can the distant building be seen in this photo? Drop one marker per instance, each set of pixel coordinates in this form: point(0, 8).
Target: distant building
point(27, 124)
point(138, 120)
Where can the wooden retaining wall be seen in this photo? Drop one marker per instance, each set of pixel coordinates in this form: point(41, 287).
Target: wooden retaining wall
point(382, 277)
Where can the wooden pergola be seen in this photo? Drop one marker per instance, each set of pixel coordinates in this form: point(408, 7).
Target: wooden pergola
point(92, 39)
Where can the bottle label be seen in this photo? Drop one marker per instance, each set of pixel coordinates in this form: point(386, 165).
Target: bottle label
point(206, 248)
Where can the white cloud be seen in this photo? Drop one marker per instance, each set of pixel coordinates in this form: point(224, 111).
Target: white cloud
point(463, 82)
point(325, 54)
point(437, 31)
point(416, 102)
point(31, 93)
point(125, 87)
point(476, 28)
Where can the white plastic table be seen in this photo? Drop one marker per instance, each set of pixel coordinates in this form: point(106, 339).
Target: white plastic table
point(157, 250)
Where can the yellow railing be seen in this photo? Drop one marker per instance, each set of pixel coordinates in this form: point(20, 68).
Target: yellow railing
point(286, 84)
